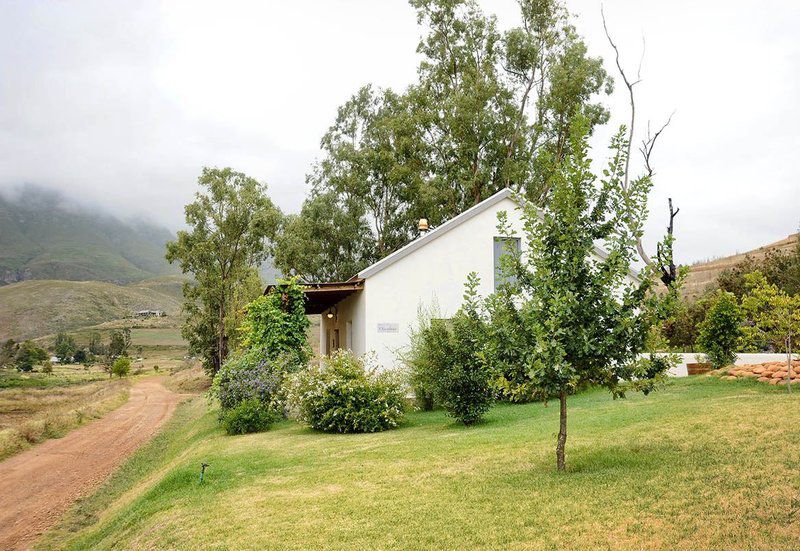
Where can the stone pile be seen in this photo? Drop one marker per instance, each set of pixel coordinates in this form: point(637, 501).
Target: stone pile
point(773, 373)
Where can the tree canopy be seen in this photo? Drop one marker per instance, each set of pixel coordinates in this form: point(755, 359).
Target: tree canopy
point(490, 109)
point(231, 225)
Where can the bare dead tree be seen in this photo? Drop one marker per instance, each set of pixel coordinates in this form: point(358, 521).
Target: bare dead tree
point(664, 263)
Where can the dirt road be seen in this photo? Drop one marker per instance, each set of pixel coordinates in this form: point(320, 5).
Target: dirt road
point(37, 486)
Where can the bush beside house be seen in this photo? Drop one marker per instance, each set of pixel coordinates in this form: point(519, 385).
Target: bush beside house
point(342, 395)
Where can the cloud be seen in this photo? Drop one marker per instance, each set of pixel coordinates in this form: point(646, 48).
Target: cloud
point(122, 103)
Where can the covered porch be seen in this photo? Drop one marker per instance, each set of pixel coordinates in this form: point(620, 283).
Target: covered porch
point(337, 304)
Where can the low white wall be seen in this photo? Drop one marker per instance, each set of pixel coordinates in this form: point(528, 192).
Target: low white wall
point(680, 370)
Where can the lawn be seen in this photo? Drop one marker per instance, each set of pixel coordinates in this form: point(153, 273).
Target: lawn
point(702, 463)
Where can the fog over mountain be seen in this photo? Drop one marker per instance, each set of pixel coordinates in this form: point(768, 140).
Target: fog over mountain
point(45, 235)
point(122, 103)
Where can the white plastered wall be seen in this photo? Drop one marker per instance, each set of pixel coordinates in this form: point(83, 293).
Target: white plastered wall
point(433, 274)
point(352, 310)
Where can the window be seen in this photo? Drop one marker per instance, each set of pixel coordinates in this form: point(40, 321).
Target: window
point(502, 247)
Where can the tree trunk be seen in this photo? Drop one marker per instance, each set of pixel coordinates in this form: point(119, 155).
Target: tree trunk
point(221, 335)
point(562, 432)
point(789, 362)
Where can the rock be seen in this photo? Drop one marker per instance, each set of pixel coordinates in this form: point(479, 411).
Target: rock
point(764, 379)
point(774, 381)
point(758, 370)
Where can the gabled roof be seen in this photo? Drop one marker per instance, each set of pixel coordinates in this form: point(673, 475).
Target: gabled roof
point(505, 193)
point(435, 233)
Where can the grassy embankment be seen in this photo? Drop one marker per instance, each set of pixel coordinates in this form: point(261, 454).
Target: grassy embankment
point(702, 463)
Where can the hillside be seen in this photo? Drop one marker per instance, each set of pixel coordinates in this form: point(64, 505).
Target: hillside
point(31, 309)
point(702, 275)
point(42, 236)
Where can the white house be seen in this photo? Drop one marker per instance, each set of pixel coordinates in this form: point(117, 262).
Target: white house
point(376, 310)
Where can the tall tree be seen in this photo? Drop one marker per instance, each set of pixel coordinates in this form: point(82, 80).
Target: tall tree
point(325, 242)
point(231, 224)
point(489, 110)
point(374, 163)
point(588, 321)
point(496, 107)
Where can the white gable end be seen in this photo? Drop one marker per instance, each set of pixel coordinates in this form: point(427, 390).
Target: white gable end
point(428, 273)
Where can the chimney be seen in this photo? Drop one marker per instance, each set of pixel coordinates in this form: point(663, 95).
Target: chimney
point(423, 226)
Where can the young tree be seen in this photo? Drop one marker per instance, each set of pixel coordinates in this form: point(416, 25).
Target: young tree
point(720, 331)
point(121, 367)
point(773, 317)
point(589, 321)
point(64, 347)
point(231, 223)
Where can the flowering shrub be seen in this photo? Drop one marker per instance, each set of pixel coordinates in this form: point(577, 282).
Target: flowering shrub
point(249, 390)
point(342, 395)
point(246, 376)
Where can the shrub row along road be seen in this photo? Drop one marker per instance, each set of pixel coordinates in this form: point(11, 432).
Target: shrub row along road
point(37, 486)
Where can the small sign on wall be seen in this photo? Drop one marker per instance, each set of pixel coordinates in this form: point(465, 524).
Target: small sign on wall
point(388, 328)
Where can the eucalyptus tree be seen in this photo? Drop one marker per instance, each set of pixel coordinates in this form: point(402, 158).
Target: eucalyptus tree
point(489, 109)
point(231, 224)
point(326, 241)
point(374, 163)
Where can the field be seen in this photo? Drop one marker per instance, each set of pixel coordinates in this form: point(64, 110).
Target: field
point(703, 463)
point(36, 308)
point(35, 407)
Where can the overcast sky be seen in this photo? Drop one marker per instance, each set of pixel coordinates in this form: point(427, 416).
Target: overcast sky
point(122, 103)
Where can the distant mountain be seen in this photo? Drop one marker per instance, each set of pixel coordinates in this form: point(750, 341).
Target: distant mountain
point(42, 236)
point(31, 309)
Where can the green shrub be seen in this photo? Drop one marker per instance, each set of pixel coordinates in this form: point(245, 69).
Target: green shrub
point(720, 331)
point(464, 386)
point(248, 375)
point(248, 416)
point(121, 367)
point(447, 360)
point(342, 395)
point(426, 352)
point(276, 324)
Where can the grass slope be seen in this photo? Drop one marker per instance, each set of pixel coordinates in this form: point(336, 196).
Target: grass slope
point(35, 308)
point(703, 275)
point(702, 463)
